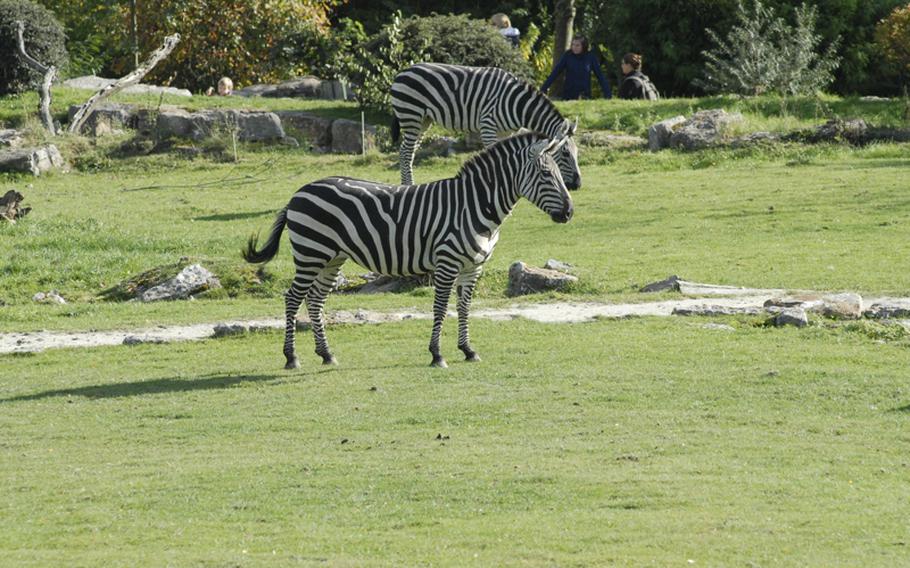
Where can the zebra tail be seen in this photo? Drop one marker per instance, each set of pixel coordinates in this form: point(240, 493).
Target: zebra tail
point(396, 129)
point(250, 254)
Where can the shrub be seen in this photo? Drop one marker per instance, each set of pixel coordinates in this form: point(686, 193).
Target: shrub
point(453, 39)
point(762, 53)
point(44, 40)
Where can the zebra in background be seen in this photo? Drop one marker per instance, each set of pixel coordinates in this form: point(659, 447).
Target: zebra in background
point(447, 227)
point(477, 99)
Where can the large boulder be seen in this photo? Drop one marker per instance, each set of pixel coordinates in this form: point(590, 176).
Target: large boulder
point(10, 138)
point(94, 83)
point(315, 129)
point(706, 128)
point(107, 118)
point(524, 279)
point(659, 133)
point(347, 138)
point(252, 126)
point(33, 161)
point(191, 280)
point(308, 87)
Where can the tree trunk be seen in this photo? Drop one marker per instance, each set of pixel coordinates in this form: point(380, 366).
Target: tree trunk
point(563, 18)
point(50, 73)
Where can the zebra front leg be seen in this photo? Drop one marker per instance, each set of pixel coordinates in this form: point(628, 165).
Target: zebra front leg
point(443, 280)
point(315, 300)
point(466, 284)
point(410, 140)
point(292, 299)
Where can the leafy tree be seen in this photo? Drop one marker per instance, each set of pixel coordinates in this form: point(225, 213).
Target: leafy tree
point(242, 39)
point(893, 38)
point(94, 34)
point(43, 38)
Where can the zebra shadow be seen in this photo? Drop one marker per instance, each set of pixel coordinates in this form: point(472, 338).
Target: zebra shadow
point(234, 216)
point(154, 386)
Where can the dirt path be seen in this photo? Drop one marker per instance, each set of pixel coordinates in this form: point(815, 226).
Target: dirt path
point(715, 300)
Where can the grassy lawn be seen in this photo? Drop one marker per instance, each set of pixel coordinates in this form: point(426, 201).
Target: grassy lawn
point(629, 442)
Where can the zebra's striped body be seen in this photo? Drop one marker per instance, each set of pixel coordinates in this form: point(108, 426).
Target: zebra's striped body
point(447, 227)
point(477, 99)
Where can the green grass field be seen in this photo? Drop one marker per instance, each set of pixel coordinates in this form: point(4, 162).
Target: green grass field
point(629, 442)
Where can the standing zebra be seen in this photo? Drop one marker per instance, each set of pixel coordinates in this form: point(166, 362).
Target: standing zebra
point(477, 99)
point(448, 227)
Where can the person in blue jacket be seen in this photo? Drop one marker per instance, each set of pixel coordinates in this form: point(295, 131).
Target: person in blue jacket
point(578, 63)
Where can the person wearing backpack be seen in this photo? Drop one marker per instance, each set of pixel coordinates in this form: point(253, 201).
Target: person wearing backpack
point(635, 84)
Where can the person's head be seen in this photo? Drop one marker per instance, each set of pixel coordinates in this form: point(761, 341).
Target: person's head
point(579, 44)
point(631, 62)
point(500, 21)
point(225, 86)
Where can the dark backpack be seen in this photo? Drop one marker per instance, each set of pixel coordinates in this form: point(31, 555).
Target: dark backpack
point(648, 90)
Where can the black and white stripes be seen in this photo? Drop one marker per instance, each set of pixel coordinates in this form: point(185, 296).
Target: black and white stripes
point(477, 99)
point(448, 227)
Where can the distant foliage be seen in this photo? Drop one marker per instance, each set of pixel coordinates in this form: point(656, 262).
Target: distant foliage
point(242, 39)
point(95, 34)
point(44, 40)
point(763, 53)
point(459, 40)
point(892, 35)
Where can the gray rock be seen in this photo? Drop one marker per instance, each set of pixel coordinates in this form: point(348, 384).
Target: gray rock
point(336, 91)
point(316, 129)
point(255, 91)
point(51, 297)
point(605, 140)
point(854, 130)
point(378, 283)
point(192, 279)
point(225, 330)
point(524, 279)
point(139, 340)
point(706, 128)
point(791, 316)
point(715, 311)
point(347, 139)
point(10, 138)
point(33, 161)
point(443, 146)
point(94, 83)
point(890, 310)
point(659, 133)
point(308, 87)
point(107, 118)
point(839, 306)
point(553, 264)
point(753, 139)
point(671, 283)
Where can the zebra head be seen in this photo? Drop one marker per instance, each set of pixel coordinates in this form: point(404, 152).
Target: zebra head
point(567, 157)
point(543, 184)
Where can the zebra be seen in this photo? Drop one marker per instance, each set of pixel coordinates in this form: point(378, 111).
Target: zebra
point(447, 228)
point(484, 99)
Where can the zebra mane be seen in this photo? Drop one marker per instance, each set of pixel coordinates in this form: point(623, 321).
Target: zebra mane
point(508, 145)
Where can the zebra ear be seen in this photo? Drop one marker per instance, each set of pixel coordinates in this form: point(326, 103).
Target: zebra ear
point(538, 149)
point(570, 127)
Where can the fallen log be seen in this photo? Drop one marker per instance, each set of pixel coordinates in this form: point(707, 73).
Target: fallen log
point(81, 115)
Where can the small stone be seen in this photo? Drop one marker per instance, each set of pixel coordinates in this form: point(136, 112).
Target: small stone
point(524, 279)
point(225, 330)
point(671, 283)
point(51, 297)
point(553, 264)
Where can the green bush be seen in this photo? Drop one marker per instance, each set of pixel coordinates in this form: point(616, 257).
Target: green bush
point(453, 39)
point(44, 40)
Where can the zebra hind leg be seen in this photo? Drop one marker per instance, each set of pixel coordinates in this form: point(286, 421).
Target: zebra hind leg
point(466, 285)
point(410, 140)
point(292, 299)
point(443, 281)
point(315, 300)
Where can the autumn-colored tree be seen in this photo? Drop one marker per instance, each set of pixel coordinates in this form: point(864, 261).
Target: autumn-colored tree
point(241, 39)
point(892, 35)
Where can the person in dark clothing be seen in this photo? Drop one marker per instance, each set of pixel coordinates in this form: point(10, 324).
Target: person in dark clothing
point(635, 84)
point(578, 63)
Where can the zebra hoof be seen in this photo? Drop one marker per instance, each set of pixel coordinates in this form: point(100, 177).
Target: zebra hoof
point(329, 360)
point(439, 362)
point(472, 358)
point(293, 363)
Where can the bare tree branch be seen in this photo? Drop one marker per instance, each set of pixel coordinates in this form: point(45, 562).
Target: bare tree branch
point(49, 72)
point(170, 42)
